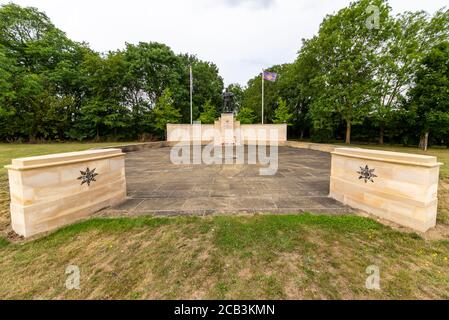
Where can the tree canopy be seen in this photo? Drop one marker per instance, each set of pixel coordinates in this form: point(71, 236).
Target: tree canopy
point(366, 75)
point(363, 75)
point(53, 88)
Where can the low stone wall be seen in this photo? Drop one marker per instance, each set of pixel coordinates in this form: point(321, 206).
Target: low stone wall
point(50, 191)
point(398, 187)
point(253, 132)
point(311, 146)
point(134, 147)
point(245, 133)
point(187, 133)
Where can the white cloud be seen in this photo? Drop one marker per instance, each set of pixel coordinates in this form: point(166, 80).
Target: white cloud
point(254, 3)
point(240, 36)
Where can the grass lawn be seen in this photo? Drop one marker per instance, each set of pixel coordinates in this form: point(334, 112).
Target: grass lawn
point(258, 257)
point(238, 257)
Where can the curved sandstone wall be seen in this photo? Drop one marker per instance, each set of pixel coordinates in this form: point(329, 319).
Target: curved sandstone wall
point(245, 133)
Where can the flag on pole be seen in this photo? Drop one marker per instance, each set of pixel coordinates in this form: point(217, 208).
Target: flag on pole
point(191, 95)
point(270, 76)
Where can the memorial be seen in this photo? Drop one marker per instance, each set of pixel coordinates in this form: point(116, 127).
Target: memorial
point(398, 187)
point(227, 130)
point(50, 191)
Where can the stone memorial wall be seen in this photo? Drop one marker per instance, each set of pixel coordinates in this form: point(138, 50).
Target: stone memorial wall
point(50, 191)
point(226, 130)
point(398, 187)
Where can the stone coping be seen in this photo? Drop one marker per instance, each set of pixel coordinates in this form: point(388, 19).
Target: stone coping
point(29, 163)
point(388, 156)
point(263, 125)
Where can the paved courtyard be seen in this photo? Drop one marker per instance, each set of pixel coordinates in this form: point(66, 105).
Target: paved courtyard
point(156, 186)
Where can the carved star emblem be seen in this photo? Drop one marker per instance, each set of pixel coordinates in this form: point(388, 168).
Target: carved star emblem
point(367, 174)
point(87, 176)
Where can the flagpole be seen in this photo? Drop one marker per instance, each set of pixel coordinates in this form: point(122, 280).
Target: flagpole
point(191, 95)
point(263, 93)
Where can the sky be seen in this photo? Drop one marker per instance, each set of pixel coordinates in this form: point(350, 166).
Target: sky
point(240, 36)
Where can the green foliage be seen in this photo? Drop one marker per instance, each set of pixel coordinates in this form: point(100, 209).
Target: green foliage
point(246, 116)
point(344, 73)
point(252, 96)
point(430, 97)
point(406, 40)
point(354, 75)
point(323, 135)
point(165, 112)
point(349, 78)
point(209, 114)
point(237, 90)
point(52, 88)
point(282, 114)
point(207, 86)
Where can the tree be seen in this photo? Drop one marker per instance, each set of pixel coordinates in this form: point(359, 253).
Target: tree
point(209, 114)
point(344, 50)
point(246, 116)
point(295, 89)
point(252, 96)
point(44, 64)
point(165, 112)
point(353, 75)
point(282, 114)
point(54, 88)
point(104, 113)
point(405, 42)
point(7, 93)
point(430, 96)
point(153, 67)
point(207, 86)
point(21, 26)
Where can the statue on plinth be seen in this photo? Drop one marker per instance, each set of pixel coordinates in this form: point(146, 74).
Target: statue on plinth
point(228, 102)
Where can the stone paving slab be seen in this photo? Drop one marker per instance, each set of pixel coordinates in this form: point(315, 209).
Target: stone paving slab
point(155, 186)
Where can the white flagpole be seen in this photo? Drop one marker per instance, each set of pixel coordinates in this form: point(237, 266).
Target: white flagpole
point(191, 95)
point(263, 93)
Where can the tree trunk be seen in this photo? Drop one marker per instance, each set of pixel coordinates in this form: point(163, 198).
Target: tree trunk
point(381, 134)
point(302, 135)
point(348, 132)
point(424, 141)
point(97, 138)
point(32, 138)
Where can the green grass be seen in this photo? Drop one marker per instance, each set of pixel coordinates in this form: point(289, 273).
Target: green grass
point(258, 257)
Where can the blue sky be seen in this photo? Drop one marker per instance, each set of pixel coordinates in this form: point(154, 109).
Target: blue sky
point(240, 36)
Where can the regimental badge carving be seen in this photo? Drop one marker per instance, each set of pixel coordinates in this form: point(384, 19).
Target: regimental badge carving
point(367, 174)
point(87, 176)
